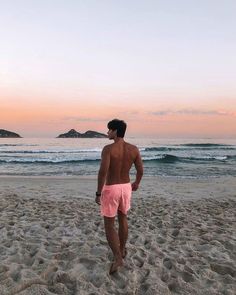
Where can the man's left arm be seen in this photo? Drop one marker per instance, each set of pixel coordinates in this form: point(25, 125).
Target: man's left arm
point(104, 166)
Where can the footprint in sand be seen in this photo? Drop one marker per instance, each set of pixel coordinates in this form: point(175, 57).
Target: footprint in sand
point(98, 251)
point(149, 289)
point(165, 276)
point(120, 280)
point(174, 285)
point(138, 261)
point(141, 253)
point(189, 269)
point(97, 279)
point(4, 268)
point(33, 250)
point(187, 277)
point(223, 269)
point(133, 239)
point(175, 232)
point(167, 263)
point(66, 255)
point(40, 260)
point(152, 260)
point(59, 288)
point(88, 263)
point(147, 243)
point(151, 227)
point(16, 274)
point(161, 240)
point(66, 279)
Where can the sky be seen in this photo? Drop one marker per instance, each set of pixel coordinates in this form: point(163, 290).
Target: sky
point(168, 68)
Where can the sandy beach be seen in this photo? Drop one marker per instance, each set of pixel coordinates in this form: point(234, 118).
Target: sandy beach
point(182, 238)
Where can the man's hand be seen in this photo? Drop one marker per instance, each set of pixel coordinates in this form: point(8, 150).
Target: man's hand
point(134, 186)
point(98, 200)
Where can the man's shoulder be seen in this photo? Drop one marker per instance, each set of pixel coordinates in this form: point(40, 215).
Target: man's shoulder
point(131, 146)
point(107, 147)
point(106, 150)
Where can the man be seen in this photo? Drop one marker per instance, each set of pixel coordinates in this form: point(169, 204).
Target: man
point(114, 188)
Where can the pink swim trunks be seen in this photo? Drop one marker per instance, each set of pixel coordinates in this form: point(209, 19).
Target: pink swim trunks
point(115, 197)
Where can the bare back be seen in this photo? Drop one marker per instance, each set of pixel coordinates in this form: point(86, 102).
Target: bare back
point(122, 156)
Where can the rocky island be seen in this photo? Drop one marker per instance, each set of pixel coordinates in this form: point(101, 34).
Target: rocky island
point(88, 134)
point(8, 134)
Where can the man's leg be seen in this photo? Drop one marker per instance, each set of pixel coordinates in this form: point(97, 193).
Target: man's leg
point(123, 232)
point(113, 241)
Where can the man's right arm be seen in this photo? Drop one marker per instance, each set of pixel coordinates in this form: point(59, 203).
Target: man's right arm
point(104, 166)
point(139, 171)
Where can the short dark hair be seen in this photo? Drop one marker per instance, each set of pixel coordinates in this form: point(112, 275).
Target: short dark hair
point(118, 125)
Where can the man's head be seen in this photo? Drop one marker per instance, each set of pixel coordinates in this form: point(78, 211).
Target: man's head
point(116, 128)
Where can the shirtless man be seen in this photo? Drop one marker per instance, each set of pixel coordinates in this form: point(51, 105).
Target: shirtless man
point(114, 188)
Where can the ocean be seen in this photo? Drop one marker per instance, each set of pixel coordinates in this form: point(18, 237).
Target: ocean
point(195, 158)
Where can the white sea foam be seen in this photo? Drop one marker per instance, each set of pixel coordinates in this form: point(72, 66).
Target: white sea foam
point(75, 157)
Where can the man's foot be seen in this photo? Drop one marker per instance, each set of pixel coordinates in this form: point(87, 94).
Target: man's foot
point(115, 266)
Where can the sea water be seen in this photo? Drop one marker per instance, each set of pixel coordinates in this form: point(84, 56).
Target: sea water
point(192, 158)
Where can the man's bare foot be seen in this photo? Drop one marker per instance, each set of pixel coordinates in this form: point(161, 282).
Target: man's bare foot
point(115, 266)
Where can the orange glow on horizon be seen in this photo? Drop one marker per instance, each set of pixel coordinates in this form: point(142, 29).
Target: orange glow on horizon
point(57, 120)
point(50, 117)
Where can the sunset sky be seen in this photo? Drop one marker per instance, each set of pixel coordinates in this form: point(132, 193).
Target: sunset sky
point(166, 67)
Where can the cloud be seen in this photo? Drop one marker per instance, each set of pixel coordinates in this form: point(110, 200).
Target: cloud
point(161, 113)
point(192, 112)
point(131, 115)
point(84, 119)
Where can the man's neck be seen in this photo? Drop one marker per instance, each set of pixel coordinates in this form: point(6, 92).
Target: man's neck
point(118, 139)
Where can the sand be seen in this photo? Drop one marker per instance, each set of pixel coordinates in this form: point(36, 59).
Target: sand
point(182, 238)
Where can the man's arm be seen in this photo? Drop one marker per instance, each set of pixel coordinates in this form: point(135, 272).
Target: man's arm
point(139, 171)
point(104, 166)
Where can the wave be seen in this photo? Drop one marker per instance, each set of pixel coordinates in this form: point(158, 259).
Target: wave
point(52, 152)
point(158, 149)
point(188, 147)
point(164, 159)
point(8, 144)
point(206, 145)
point(46, 161)
point(231, 157)
point(173, 159)
point(95, 151)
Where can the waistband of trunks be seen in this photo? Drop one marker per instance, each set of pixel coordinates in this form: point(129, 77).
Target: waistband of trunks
point(117, 184)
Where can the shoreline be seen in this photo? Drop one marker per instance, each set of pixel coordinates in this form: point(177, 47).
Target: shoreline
point(83, 186)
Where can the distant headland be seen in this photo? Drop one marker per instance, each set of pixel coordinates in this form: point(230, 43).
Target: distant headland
point(8, 134)
point(88, 134)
